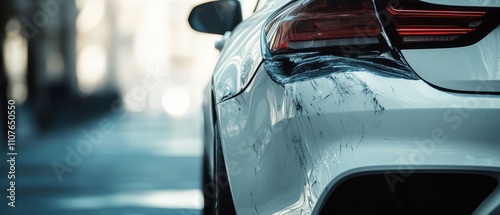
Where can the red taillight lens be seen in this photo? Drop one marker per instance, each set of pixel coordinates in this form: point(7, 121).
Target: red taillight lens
point(428, 25)
point(419, 25)
point(313, 24)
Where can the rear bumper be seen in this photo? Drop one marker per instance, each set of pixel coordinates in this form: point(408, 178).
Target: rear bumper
point(386, 190)
point(287, 145)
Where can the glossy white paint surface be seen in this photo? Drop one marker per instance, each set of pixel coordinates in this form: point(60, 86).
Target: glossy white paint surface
point(286, 145)
point(241, 55)
point(471, 68)
point(472, 3)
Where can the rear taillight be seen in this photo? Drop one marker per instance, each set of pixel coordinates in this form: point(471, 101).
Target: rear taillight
point(316, 24)
point(415, 24)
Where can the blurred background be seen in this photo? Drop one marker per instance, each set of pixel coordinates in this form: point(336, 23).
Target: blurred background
point(108, 105)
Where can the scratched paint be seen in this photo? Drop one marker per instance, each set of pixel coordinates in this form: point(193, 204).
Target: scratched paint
point(293, 139)
point(294, 121)
point(296, 124)
point(298, 67)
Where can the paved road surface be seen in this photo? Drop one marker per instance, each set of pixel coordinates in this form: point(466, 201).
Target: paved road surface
point(147, 164)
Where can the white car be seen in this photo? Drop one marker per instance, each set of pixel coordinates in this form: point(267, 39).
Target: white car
point(353, 107)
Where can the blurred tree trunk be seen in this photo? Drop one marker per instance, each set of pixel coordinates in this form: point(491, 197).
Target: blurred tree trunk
point(3, 97)
point(6, 12)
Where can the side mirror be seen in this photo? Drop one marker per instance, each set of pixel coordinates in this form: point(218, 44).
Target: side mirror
point(216, 17)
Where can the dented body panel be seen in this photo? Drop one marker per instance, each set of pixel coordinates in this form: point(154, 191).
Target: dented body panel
point(293, 126)
point(286, 144)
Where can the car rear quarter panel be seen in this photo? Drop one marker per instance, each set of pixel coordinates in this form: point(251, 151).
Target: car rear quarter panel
point(286, 144)
point(241, 55)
